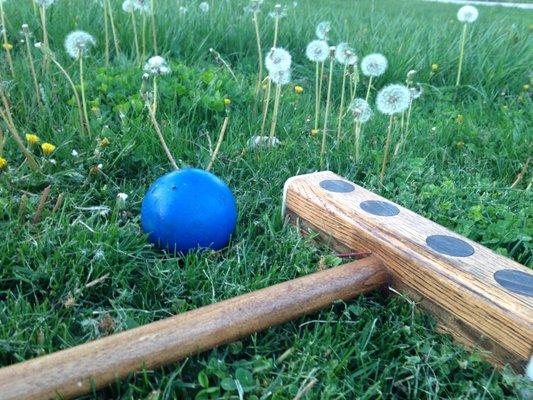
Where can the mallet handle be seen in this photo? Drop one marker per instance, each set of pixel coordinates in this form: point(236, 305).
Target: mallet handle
point(78, 370)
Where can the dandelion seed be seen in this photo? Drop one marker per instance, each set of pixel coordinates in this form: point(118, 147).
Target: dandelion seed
point(317, 51)
point(77, 43)
point(48, 148)
point(278, 59)
point(393, 99)
point(467, 14)
point(157, 65)
point(322, 30)
point(204, 6)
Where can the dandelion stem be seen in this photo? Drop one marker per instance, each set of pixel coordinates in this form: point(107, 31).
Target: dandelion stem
point(274, 116)
point(32, 65)
point(154, 32)
point(386, 150)
point(143, 38)
point(74, 90)
point(368, 90)
point(266, 102)
point(404, 132)
point(160, 136)
point(326, 113)
point(6, 43)
point(357, 132)
point(106, 34)
point(42, 12)
point(113, 28)
point(341, 109)
point(219, 143)
point(461, 55)
point(317, 96)
point(2, 142)
point(321, 80)
point(260, 58)
point(135, 35)
point(8, 119)
point(83, 101)
point(154, 101)
point(276, 29)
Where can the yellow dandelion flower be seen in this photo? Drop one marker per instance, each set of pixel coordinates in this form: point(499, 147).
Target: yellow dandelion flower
point(3, 163)
point(434, 67)
point(298, 89)
point(7, 46)
point(32, 139)
point(314, 132)
point(460, 119)
point(227, 102)
point(105, 142)
point(48, 148)
point(525, 87)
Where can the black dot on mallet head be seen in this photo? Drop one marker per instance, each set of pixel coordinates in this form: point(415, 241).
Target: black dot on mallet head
point(449, 245)
point(380, 208)
point(515, 281)
point(337, 186)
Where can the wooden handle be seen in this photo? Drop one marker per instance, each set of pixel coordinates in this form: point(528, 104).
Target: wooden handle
point(78, 370)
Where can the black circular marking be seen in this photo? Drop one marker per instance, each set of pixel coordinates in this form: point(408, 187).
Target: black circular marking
point(381, 208)
point(337, 185)
point(449, 245)
point(515, 281)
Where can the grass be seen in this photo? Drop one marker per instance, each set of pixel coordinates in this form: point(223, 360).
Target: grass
point(83, 272)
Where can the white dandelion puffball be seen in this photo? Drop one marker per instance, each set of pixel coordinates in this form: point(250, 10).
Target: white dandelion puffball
point(467, 14)
point(254, 6)
point(317, 51)
point(204, 6)
point(393, 99)
point(322, 30)
point(127, 6)
point(44, 3)
point(344, 54)
point(281, 77)
point(277, 59)
point(374, 65)
point(279, 11)
point(416, 92)
point(143, 6)
point(360, 110)
point(156, 65)
point(77, 43)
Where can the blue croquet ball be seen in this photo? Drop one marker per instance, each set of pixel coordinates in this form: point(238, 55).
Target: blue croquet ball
point(189, 209)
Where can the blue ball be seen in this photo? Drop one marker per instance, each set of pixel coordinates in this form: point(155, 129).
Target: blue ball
point(189, 209)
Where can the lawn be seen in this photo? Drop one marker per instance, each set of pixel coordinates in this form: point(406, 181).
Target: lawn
point(86, 269)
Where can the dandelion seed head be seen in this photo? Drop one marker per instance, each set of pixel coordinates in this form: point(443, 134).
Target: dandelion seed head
point(374, 65)
point(281, 77)
point(77, 43)
point(467, 14)
point(204, 6)
point(360, 110)
point(344, 54)
point(416, 92)
point(143, 6)
point(393, 99)
point(322, 30)
point(156, 65)
point(317, 51)
point(278, 12)
point(127, 6)
point(278, 59)
point(254, 6)
point(44, 3)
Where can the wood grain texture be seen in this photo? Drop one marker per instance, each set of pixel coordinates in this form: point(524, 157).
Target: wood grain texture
point(78, 370)
point(460, 291)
